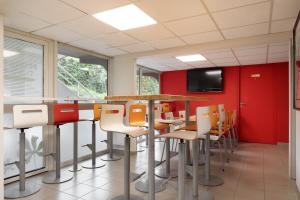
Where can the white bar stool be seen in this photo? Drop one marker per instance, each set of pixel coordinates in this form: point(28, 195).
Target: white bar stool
point(25, 117)
point(112, 121)
point(203, 128)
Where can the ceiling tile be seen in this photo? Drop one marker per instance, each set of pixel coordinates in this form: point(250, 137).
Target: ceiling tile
point(111, 52)
point(53, 11)
point(253, 57)
point(281, 47)
point(166, 10)
point(218, 54)
point(285, 9)
point(203, 37)
point(150, 33)
point(24, 22)
point(255, 50)
point(282, 25)
point(223, 60)
point(277, 60)
point(88, 26)
point(192, 25)
point(279, 55)
point(202, 64)
point(226, 64)
point(58, 33)
point(242, 16)
point(246, 31)
point(117, 39)
point(167, 43)
point(253, 62)
point(216, 5)
point(89, 44)
point(95, 6)
point(137, 47)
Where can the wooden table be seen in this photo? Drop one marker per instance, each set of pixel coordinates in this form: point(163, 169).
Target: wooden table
point(151, 99)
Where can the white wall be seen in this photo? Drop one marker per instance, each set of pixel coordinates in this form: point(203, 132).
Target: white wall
point(1, 109)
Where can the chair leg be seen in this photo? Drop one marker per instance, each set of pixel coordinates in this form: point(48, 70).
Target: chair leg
point(230, 141)
point(195, 168)
point(221, 157)
point(225, 149)
point(181, 170)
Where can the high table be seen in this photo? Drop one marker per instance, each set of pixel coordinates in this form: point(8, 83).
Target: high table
point(151, 149)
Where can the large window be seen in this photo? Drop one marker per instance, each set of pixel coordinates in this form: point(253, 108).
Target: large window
point(147, 81)
point(81, 74)
point(23, 76)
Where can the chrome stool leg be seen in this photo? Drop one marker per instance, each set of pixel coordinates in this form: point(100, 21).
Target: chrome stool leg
point(181, 170)
point(92, 147)
point(127, 195)
point(111, 156)
point(55, 177)
point(75, 150)
point(22, 189)
point(207, 179)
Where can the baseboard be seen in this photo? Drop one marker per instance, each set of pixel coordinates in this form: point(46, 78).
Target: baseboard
point(283, 144)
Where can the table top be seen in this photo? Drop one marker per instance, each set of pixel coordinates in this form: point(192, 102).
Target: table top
point(162, 97)
point(48, 99)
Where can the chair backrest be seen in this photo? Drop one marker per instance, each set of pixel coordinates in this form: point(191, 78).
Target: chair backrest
point(214, 116)
point(221, 113)
point(181, 114)
point(97, 111)
point(169, 115)
point(65, 113)
point(234, 118)
point(203, 120)
point(165, 107)
point(111, 116)
point(26, 116)
point(137, 114)
point(157, 111)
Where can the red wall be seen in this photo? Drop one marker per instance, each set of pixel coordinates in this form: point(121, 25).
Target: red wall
point(174, 82)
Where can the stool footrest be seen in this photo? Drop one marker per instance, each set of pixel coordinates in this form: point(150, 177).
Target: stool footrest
point(50, 154)
point(90, 146)
point(12, 163)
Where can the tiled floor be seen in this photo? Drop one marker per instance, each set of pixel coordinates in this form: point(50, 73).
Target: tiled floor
point(255, 172)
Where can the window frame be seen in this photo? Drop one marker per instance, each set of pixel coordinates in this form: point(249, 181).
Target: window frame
point(140, 69)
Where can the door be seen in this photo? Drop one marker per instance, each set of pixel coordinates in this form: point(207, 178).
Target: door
point(257, 114)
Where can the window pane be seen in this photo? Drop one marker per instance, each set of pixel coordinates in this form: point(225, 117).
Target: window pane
point(149, 82)
point(23, 76)
point(80, 74)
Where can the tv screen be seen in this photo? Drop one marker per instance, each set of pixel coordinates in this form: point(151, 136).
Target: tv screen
point(205, 80)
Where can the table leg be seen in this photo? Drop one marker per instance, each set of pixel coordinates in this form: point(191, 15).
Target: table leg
point(187, 122)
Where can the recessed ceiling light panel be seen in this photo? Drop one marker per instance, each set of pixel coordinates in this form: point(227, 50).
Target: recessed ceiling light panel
point(125, 17)
point(191, 58)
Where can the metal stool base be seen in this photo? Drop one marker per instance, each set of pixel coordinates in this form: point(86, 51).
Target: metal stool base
point(162, 173)
point(135, 176)
point(77, 170)
point(109, 158)
point(91, 166)
point(132, 197)
point(143, 185)
point(13, 191)
point(50, 178)
point(212, 181)
point(206, 196)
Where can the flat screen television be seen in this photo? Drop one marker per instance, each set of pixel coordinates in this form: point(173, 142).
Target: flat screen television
point(205, 80)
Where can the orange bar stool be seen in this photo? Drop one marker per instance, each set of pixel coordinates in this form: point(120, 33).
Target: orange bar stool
point(63, 114)
point(92, 146)
point(112, 121)
point(25, 117)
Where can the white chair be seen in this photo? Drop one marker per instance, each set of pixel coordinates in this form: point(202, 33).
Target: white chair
point(112, 121)
point(25, 117)
point(203, 128)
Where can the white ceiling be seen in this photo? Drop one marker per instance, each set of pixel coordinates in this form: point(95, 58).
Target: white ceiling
point(259, 54)
point(180, 23)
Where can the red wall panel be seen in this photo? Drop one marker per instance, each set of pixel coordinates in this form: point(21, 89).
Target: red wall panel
point(174, 82)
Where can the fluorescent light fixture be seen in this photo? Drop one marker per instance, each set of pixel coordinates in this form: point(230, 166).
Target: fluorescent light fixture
point(7, 53)
point(125, 17)
point(214, 72)
point(191, 58)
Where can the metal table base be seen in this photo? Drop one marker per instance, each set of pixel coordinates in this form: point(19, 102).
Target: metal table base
point(13, 191)
point(51, 178)
point(143, 185)
point(93, 166)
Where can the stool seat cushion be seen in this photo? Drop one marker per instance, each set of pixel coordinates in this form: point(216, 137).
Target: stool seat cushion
point(190, 127)
point(127, 130)
point(181, 135)
point(168, 121)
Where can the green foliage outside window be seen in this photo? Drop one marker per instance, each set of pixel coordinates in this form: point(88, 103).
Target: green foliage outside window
point(149, 85)
point(85, 80)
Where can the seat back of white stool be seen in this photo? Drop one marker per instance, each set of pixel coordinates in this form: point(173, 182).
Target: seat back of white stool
point(157, 111)
point(169, 115)
point(111, 116)
point(203, 120)
point(181, 114)
point(234, 118)
point(26, 116)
